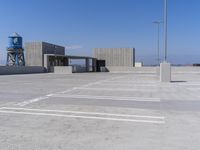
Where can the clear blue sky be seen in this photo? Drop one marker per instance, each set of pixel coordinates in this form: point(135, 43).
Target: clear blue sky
point(86, 24)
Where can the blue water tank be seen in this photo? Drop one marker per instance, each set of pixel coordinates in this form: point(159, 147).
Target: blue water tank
point(15, 41)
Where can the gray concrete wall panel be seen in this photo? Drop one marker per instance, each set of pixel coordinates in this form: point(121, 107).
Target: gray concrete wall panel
point(62, 69)
point(35, 52)
point(116, 56)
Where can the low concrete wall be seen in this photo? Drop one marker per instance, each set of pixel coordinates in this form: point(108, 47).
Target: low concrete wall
point(68, 69)
point(181, 70)
point(153, 70)
point(185, 69)
point(8, 70)
point(78, 69)
point(132, 69)
point(62, 69)
point(138, 64)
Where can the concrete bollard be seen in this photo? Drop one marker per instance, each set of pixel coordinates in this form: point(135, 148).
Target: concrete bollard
point(165, 72)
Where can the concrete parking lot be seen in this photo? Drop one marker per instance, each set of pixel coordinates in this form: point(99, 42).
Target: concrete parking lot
point(99, 111)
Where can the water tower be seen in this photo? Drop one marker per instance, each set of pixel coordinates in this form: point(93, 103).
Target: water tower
point(15, 51)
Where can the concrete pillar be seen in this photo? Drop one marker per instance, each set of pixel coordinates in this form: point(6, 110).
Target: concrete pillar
point(94, 65)
point(55, 61)
point(165, 72)
point(46, 62)
point(66, 62)
point(87, 64)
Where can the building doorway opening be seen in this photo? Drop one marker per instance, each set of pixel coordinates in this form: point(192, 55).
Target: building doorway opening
point(100, 64)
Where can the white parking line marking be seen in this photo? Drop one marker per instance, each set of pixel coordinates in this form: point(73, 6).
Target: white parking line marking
point(87, 113)
point(109, 98)
point(84, 117)
point(101, 81)
point(128, 84)
point(63, 92)
point(132, 82)
point(118, 89)
point(32, 101)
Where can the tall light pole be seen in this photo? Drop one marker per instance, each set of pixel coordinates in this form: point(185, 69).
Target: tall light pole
point(165, 67)
point(158, 44)
point(165, 27)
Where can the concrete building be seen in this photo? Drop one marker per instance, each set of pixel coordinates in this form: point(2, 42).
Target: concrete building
point(52, 57)
point(114, 57)
point(35, 52)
